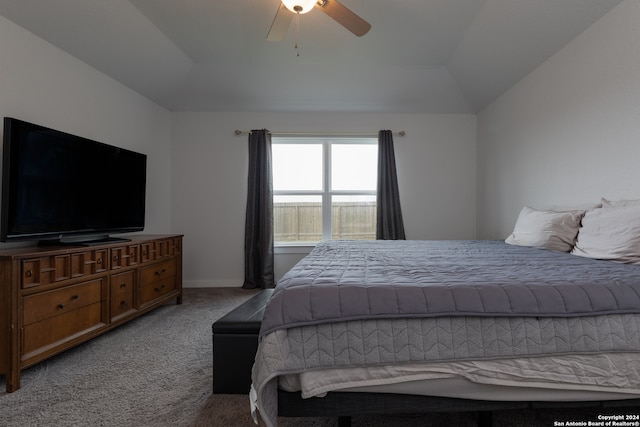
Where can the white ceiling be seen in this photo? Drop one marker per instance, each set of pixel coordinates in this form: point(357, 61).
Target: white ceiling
point(421, 56)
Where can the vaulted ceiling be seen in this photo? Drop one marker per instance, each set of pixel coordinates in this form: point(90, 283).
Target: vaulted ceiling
point(421, 56)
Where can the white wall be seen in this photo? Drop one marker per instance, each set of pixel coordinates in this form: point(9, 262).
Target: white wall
point(569, 133)
point(42, 84)
point(436, 173)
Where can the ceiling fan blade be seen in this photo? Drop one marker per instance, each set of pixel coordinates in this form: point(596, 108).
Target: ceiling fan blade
point(344, 17)
point(280, 24)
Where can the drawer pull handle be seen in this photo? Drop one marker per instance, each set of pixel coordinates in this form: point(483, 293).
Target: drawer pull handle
point(158, 273)
point(99, 260)
point(123, 303)
point(123, 285)
point(74, 299)
point(160, 288)
point(115, 258)
point(28, 273)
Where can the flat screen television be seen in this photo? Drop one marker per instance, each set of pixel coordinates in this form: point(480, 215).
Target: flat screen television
point(60, 188)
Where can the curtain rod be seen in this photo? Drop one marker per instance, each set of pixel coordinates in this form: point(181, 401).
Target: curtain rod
point(363, 134)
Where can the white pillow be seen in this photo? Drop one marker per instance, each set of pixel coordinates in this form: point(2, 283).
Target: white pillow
point(546, 229)
point(611, 234)
point(619, 203)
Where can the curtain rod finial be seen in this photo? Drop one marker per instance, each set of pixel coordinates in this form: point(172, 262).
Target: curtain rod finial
point(238, 132)
point(402, 133)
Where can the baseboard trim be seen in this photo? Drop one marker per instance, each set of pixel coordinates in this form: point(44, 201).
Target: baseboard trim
point(223, 283)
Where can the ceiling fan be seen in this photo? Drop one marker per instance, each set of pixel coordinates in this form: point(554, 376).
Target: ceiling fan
point(290, 8)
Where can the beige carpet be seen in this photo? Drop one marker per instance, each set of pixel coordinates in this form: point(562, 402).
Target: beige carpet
point(156, 371)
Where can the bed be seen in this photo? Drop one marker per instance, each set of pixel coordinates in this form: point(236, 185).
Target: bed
point(407, 326)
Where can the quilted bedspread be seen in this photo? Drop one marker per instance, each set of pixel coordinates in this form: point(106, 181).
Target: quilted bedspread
point(352, 304)
point(349, 280)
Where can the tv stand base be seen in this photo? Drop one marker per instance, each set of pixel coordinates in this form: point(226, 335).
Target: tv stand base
point(84, 241)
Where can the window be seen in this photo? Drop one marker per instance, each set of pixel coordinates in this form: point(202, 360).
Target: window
point(324, 189)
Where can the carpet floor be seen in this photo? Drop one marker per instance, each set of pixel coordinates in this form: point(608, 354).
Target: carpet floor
point(156, 371)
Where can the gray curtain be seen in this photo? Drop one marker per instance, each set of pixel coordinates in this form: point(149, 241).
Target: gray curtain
point(258, 239)
point(389, 225)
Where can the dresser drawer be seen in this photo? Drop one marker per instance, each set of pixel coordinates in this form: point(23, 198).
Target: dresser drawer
point(42, 336)
point(53, 303)
point(157, 280)
point(126, 256)
point(89, 262)
point(45, 270)
point(157, 289)
point(54, 269)
point(159, 249)
point(122, 287)
point(157, 272)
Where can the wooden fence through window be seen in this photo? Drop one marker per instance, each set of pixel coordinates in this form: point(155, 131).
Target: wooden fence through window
point(302, 221)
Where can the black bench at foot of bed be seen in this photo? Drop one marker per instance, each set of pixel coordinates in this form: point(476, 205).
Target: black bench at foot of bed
point(235, 342)
point(346, 404)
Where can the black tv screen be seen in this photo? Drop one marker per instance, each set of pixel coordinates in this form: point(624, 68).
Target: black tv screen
point(62, 187)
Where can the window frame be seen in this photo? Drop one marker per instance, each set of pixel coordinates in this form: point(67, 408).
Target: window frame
point(326, 192)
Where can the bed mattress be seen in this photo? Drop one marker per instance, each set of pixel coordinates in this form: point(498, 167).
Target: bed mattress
point(576, 377)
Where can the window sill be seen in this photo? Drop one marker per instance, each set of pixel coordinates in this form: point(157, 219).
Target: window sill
point(293, 248)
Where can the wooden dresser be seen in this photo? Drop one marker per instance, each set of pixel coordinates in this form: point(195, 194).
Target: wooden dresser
point(54, 298)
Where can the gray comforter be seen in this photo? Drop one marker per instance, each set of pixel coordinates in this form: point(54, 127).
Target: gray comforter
point(352, 304)
point(350, 280)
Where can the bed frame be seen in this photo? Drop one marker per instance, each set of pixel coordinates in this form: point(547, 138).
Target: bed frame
point(343, 405)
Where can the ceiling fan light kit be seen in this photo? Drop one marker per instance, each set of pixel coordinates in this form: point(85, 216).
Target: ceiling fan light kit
point(334, 9)
point(299, 6)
